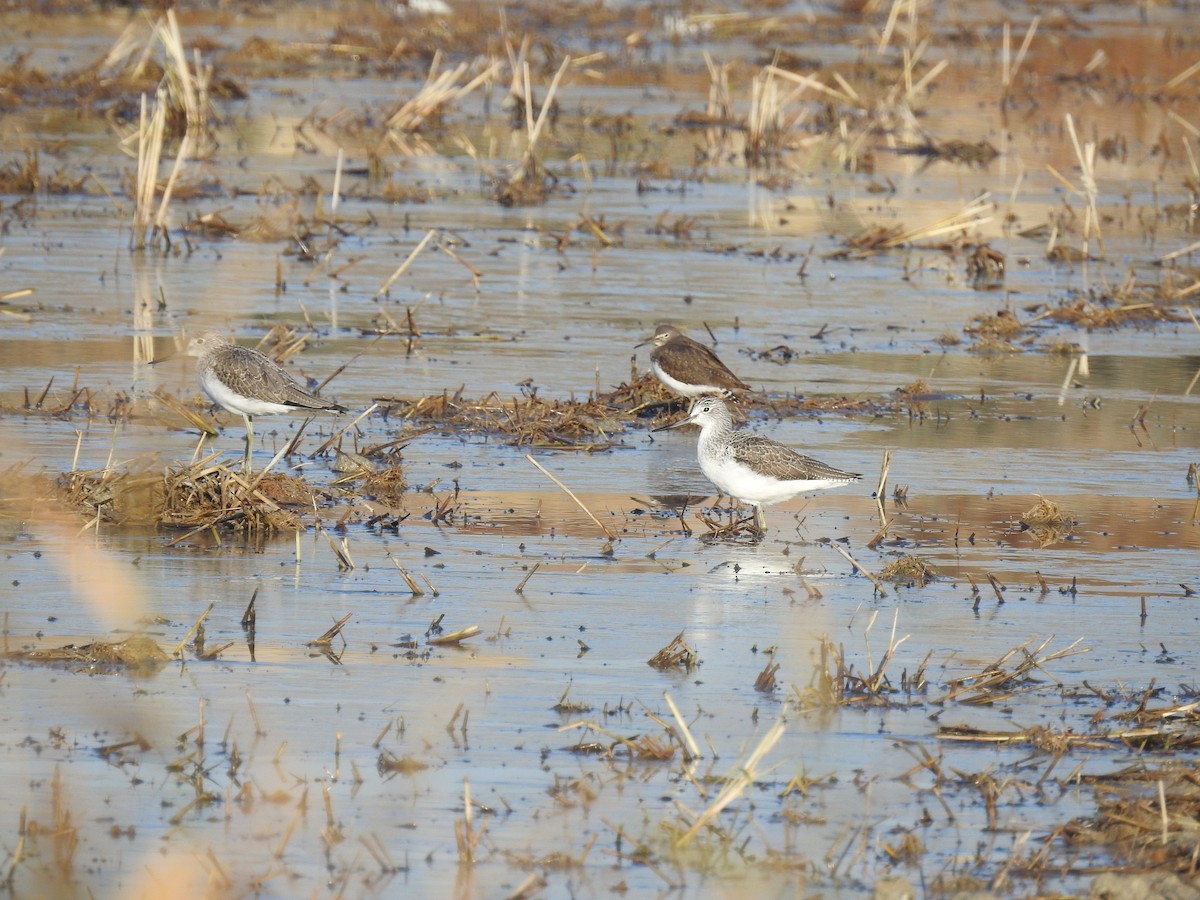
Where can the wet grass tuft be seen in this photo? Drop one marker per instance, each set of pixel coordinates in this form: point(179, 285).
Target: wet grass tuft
point(910, 571)
point(1047, 522)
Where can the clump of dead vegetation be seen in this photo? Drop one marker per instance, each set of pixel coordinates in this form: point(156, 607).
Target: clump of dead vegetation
point(1047, 522)
point(910, 571)
point(528, 183)
point(595, 423)
point(836, 681)
point(874, 239)
point(1145, 818)
point(386, 483)
point(977, 154)
point(914, 398)
point(215, 496)
point(1013, 671)
point(137, 654)
point(734, 530)
point(1138, 305)
point(206, 495)
point(529, 420)
point(1134, 305)
point(986, 267)
point(997, 333)
point(675, 655)
point(26, 175)
point(642, 747)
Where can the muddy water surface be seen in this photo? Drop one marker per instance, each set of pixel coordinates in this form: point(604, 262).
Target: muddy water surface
point(544, 753)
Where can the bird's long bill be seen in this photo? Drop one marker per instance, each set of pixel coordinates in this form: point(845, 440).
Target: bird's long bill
point(686, 420)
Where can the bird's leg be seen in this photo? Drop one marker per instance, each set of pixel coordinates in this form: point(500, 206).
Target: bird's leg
point(249, 443)
point(760, 519)
point(733, 506)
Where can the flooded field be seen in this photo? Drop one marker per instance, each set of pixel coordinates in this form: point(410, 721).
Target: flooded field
point(485, 634)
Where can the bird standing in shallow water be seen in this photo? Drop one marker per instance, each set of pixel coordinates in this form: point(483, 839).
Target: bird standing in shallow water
point(750, 467)
point(688, 367)
point(248, 382)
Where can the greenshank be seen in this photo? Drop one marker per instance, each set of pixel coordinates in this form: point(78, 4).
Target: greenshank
point(750, 467)
point(248, 382)
point(688, 367)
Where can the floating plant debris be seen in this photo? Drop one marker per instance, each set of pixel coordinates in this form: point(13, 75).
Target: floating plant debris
point(137, 653)
point(1048, 522)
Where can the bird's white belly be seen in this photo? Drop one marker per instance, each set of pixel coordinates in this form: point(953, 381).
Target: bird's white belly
point(745, 484)
point(682, 388)
point(236, 403)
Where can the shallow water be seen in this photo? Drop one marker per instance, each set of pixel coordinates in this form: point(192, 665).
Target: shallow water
point(281, 769)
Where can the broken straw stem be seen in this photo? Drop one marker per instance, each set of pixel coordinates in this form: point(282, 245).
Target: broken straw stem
point(875, 581)
point(570, 493)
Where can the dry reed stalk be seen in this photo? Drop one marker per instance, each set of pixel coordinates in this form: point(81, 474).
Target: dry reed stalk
point(178, 651)
point(746, 774)
point(1008, 72)
point(335, 630)
point(1085, 155)
point(535, 881)
point(341, 551)
point(403, 267)
point(476, 274)
point(911, 89)
point(337, 434)
point(997, 587)
point(765, 682)
point(689, 741)
point(466, 838)
point(283, 451)
point(249, 617)
point(719, 108)
point(520, 589)
point(652, 747)
point(874, 542)
point(150, 136)
point(889, 27)
point(455, 637)
point(527, 183)
point(416, 589)
point(875, 683)
point(179, 74)
point(766, 123)
point(974, 213)
point(875, 581)
point(808, 82)
point(609, 534)
point(1183, 76)
point(884, 466)
point(439, 90)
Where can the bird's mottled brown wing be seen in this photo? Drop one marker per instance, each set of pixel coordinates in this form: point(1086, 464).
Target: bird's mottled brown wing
point(254, 374)
point(711, 364)
point(772, 458)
